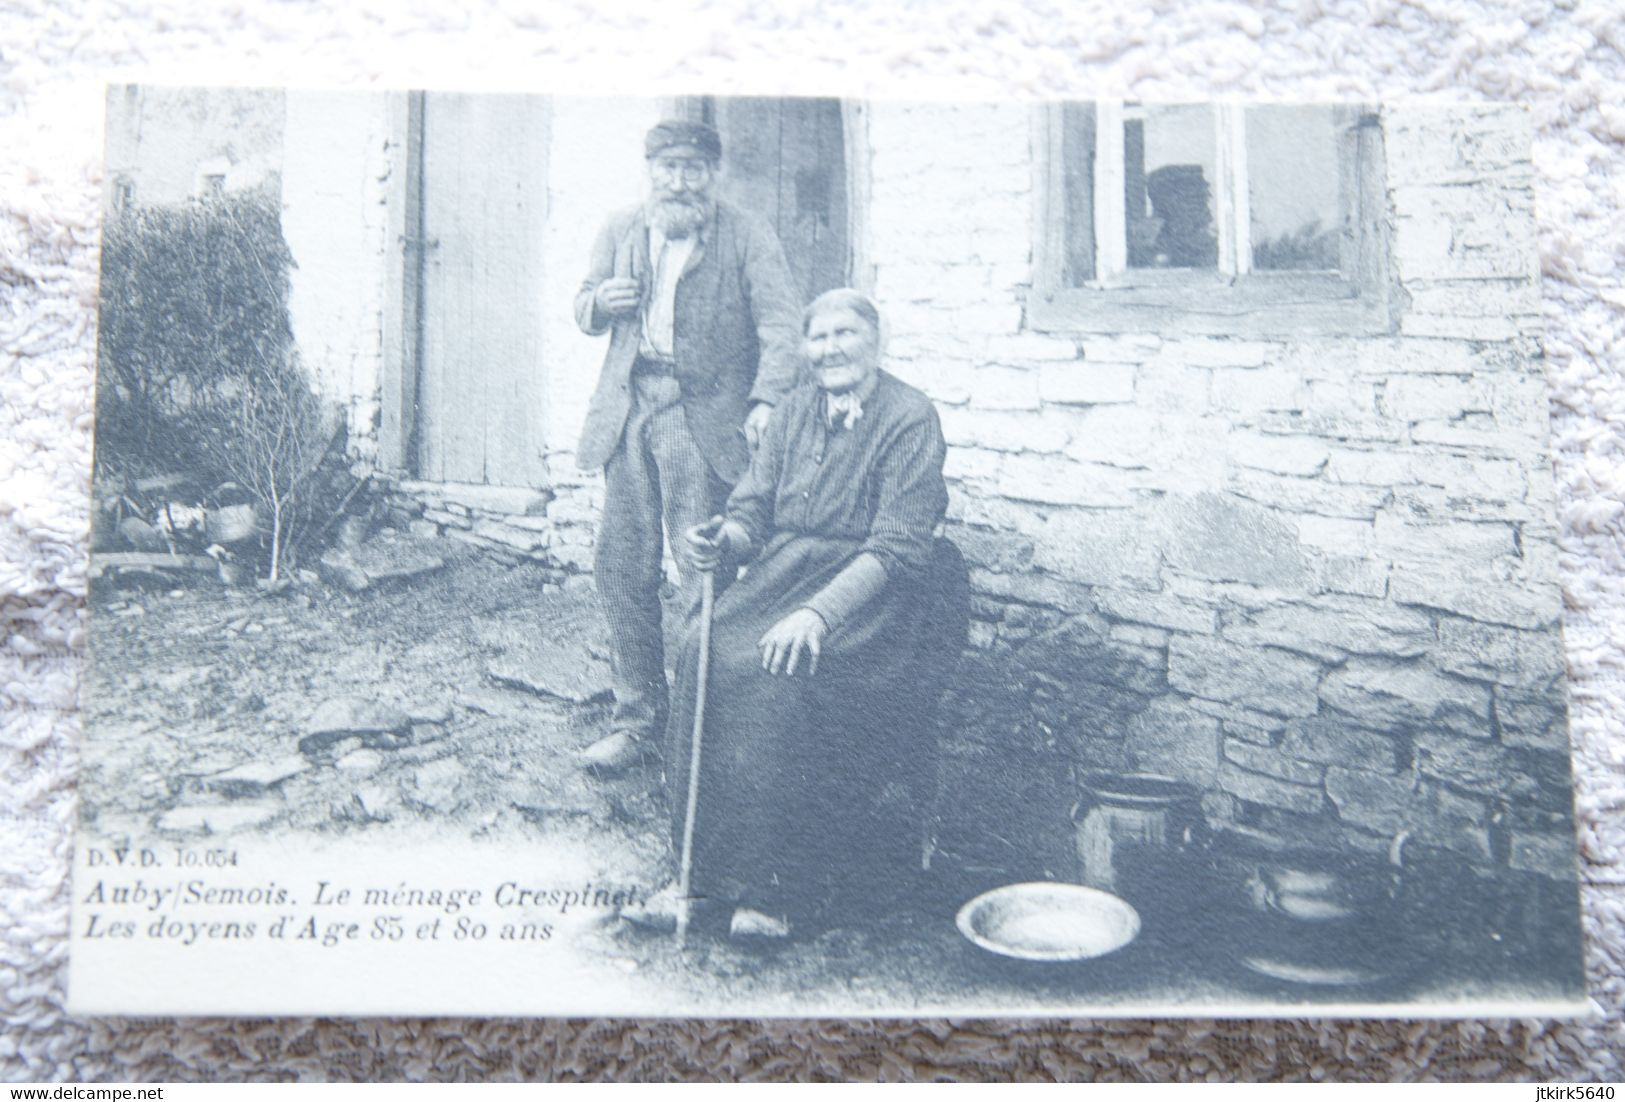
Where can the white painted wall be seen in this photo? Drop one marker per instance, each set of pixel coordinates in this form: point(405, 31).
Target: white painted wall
point(343, 166)
point(596, 168)
point(162, 141)
point(340, 159)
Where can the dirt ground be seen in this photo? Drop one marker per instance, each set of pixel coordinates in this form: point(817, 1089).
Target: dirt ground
point(192, 681)
point(453, 702)
point(451, 705)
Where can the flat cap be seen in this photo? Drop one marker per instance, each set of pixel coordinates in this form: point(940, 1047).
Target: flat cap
point(673, 132)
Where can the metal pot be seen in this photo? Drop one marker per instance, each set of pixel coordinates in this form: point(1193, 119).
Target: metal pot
point(1326, 919)
point(1135, 826)
point(229, 523)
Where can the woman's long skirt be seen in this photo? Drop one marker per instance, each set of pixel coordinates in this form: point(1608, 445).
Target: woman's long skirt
point(810, 786)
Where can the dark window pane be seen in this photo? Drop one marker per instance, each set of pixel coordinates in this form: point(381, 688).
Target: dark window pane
point(1295, 189)
point(1169, 156)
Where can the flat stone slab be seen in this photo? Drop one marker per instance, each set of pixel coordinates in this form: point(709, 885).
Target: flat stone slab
point(147, 569)
point(339, 568)
point(256, 776)
point(205, 763)
point(360, 762)
point(354, 715)
point(388, 559)
point(437, 783)
point(392, 559)
point(491, 499)
point(430, 713)
point(377, 724)
point(549, 814)
point(418, 751)
point(563, 671)
point(492, 702)
point(217, 818)
point(377, 801)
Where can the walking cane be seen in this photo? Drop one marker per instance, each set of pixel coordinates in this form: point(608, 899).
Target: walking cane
point(686, 869)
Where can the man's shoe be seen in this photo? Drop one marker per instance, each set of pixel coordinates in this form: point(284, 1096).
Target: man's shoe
point(614, 753)
point(751, 924)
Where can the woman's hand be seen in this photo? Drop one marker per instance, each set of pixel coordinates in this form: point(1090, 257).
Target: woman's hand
point(706, 544)
point(784, 642)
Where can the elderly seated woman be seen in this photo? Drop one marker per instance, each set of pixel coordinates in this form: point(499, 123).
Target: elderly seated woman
point(827, 655)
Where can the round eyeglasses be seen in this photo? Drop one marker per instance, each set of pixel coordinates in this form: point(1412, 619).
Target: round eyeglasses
point(690, 171)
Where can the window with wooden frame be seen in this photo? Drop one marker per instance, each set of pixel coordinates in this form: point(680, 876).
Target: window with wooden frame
point(1210, 218)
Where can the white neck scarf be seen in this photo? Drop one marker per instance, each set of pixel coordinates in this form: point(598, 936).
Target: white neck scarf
point(843, 410)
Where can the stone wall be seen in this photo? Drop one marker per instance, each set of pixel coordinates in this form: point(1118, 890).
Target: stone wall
point(549, 527)
point(1315, 576)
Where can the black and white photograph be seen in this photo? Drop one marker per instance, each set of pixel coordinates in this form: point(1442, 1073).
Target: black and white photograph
point(717, 556)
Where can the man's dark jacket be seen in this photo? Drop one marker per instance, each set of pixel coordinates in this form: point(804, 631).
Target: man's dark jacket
point(736, 333)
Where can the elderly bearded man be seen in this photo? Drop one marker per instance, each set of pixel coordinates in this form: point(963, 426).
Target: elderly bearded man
point(703, 321)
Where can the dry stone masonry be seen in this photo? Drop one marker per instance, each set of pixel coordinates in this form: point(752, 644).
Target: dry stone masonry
point(1314, 575)
point(1312, 572)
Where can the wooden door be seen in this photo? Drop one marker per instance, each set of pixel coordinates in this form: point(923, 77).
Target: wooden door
point(483, 192)
point(786, 160)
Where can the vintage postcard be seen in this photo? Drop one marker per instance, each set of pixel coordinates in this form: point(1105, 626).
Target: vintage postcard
point(708, 556)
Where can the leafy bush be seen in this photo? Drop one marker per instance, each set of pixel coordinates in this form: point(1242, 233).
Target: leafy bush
point(192, 298)
point(197, 370)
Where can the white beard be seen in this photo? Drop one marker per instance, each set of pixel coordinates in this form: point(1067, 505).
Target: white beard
point(678, 217)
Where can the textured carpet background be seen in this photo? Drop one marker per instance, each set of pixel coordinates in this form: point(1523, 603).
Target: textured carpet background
point(1563, 59)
